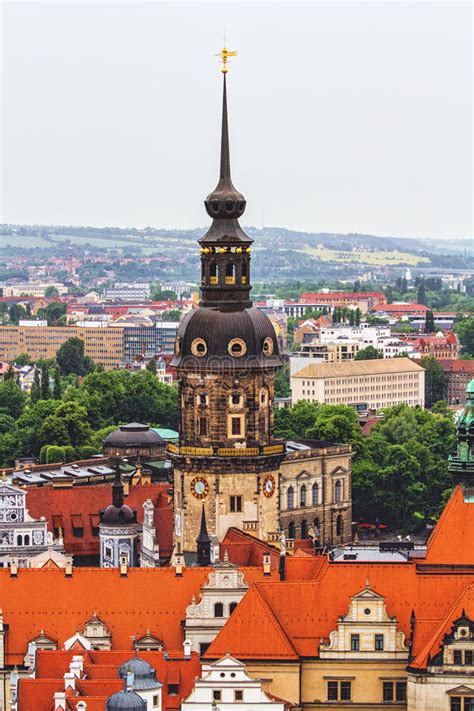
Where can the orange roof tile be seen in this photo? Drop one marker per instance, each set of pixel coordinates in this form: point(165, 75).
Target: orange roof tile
point(452, 540)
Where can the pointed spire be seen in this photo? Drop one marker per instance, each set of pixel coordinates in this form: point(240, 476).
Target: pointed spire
point(225, 153)
point(117, 487)
point(203, 542)
point(203, 534)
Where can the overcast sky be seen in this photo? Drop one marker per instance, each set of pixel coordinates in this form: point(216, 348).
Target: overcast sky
point(344, 116)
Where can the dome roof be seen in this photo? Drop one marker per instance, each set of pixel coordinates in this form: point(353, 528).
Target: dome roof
point(144, 675)
point(133, 435)
point(125, 701)
point(216, 337)
point(118, 515)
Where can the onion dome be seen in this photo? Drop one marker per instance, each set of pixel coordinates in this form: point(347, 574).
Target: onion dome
point(118, 513)
point(144, 675)
point(133, 436)
point(125, 701)
point(466, 418)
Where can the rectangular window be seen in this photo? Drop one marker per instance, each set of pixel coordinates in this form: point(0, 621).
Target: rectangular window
point(156, 701)
point(468, 658)
point(239, 695)
point(339, 690)
point(345, 690)
point(455, 703)
point(78, 532)
point(236, 426)
point(333, 689)
point(235, 503)
point(203, 426)
point(457, 657)
point(379, 642)
point(216, 694)
point(388, 691)
point(203, 647)
point(468, 703)
point(401, 690)
point(355, 642)
point(173, 689)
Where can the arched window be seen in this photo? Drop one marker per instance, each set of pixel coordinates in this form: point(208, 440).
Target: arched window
point(230, 273)
point(304, 529)
point(316, 526)
point(290, 498)
point(244, 273)
point(339, 525)
point(19, 540)
point(291, 530)
point(315, 494)
point(218, 609)
point(338, 490)
point(232, 607)
point(303, 495)
point(27, 540)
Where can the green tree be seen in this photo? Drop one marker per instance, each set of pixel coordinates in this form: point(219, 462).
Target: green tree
point(172, 315)
point(389, 294)
point(56, 384)
point(71, 358)
point(163, 294)
point(35, 393)
point(421, 293)
point(429, 322)
point(51, 291)
point(435, 380)
point(15, 313)
point(67, 426)
point(23, 359)
point(151, 366)
point(12, 399)
point(44, 383)
point(282, 383)
point(335, 423)
point(54, 312)
point(368, 353)
point(465, 332)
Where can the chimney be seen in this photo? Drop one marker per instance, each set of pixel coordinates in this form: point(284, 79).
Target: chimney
point(14, 567)
point(187, 648)
point(266, 563)
point(76, 666)
point(69, 681)
point(178, 561)
point(59, 701)
point(123, 565)
point(68, 568)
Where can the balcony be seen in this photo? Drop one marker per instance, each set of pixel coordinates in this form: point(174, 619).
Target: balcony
point(230, 280)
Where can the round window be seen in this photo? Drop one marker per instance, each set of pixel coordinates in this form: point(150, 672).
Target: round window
point(367, 611)
point(237, 347)
point(268, 346)
point(199, 347)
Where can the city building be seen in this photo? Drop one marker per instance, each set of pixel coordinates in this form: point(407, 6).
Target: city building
point(135, 441)
point(439, 346)
point(364, 384)
point(153, 339)
point(365, 301)
point(457, 375)
point(104, 345)
point(31, 289)
point(226, 685)
point(315, 492)
point(128, 291)
point(226, 358)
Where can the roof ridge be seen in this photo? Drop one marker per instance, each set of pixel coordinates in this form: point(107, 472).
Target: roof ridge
point(269, 608)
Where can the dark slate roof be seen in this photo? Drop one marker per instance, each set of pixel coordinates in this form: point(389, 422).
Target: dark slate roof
point(144, 676)
point(125, 701)
point(133, 435)
point(217, 327)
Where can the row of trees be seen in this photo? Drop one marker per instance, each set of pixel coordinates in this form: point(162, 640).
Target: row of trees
point(399, 471)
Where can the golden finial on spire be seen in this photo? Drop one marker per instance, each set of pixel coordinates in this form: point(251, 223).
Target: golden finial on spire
point(224, 54)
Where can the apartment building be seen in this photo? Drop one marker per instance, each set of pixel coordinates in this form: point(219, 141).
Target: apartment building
point(31, 289)
point(366, 384)
point(104, 345)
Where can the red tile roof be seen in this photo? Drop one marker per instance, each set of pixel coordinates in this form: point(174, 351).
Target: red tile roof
point(452, 540)
point(62, 507)
point(456, 365)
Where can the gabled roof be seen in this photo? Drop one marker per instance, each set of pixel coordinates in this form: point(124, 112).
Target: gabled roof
point(463, 605)
point(452, 540)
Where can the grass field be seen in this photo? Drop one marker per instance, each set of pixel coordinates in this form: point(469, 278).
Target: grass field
point(379, 259)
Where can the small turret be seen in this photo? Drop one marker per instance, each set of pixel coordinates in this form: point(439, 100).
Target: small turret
point(203, 542)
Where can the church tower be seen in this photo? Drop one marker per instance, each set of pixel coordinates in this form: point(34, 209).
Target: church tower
point(226, 356)
point(461, 464)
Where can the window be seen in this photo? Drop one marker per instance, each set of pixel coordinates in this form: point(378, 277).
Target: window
point(235, 503)
point(339, 690)
point(173, 689)
point(291, 530)
point(304, 529)
point(203, 647)
point(236, 428)
point(457, 657)
point(339, 526)
point(27, 540)
point(468, 658)
point(239, 695)
point(236, 397)
point(156, 701)
point(315, 495)
point(455, 703)
point(216, 694)
point(338, 491)
point(394, 691)
point(202, 399)
point(218, 609)
point(290, 498)
point(379, 642)
point(355, 642)
point(232, 607)
point(78, 531)
point(19, 540)
point(203, 426)
point(303, 495)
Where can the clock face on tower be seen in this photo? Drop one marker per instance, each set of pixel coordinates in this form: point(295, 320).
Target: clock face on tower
point(199, 487)
point(269, 485)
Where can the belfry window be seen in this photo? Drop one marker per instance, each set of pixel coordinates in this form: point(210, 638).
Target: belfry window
point(218, 609)
point(213, 273)
point(244, 273)
point(230, 273)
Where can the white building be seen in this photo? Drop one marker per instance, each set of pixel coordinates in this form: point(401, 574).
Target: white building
point(150, 549)
point(31, 289)
point(128, 291)
point(225, 685)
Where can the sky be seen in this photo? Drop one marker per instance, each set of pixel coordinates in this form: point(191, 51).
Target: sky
point(344, 116)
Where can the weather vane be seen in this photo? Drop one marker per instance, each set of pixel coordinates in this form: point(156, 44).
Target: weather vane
point(224, 54)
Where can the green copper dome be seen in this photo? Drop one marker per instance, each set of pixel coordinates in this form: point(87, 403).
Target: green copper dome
point(461, 464)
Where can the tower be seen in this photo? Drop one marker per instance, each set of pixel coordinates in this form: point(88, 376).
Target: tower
point(461, 464)
point(118, 528)
point(226, 357)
